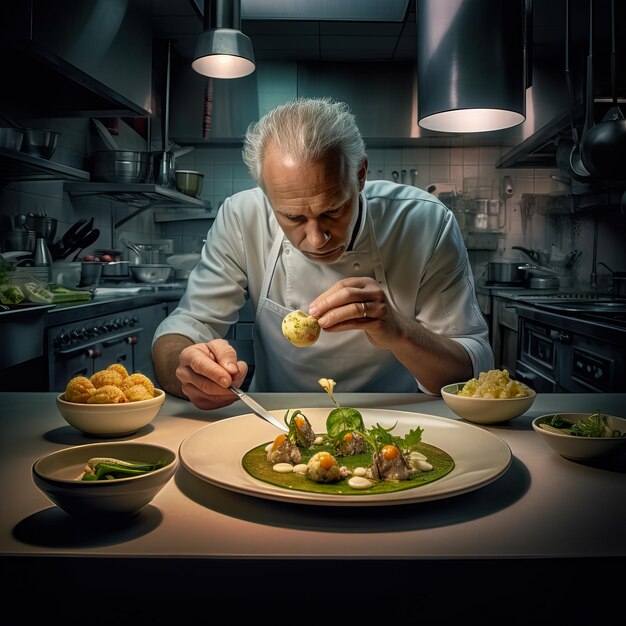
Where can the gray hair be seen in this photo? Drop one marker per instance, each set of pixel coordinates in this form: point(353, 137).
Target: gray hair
point(305, 129)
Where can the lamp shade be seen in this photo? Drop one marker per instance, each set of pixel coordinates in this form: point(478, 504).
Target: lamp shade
point(470, 64)
point(223, 51)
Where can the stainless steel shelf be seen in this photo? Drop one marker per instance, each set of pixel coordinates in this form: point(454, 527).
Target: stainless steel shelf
point(141, 195)
point(19, 166)
point(182, 215)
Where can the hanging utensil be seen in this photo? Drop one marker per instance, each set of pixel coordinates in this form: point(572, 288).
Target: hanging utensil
point(165, 175)
point(568, 150)
point(603, 148)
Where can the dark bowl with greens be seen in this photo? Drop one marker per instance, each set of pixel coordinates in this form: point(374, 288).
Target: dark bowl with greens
point(580, 436)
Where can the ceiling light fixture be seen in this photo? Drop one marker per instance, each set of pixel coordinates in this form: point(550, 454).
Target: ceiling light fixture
point(223, 51)
point(471, 64)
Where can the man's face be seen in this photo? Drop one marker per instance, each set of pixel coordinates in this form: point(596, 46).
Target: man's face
point(316, 204)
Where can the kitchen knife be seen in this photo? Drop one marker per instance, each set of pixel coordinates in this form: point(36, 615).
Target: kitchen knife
point(58, 247)
point(85, 242)
point(257, 408)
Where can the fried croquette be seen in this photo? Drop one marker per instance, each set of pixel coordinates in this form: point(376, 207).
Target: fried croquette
point(138, 379)
point(112, 385)
point(136, 393)
point(107, 377)
point(79, 389)
point(107, 394)
point(119, 368)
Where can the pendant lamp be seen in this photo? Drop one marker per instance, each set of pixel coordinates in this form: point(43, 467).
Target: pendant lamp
point(223, 51)
point(471, 64)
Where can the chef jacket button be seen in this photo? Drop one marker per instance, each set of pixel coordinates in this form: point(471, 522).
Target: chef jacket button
point(287, 251)
point(357, 266)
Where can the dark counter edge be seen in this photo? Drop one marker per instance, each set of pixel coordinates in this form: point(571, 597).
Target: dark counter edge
point(72, 312)
point(98, 589)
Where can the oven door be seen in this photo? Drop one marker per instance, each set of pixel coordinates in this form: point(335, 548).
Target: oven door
point(536, 380)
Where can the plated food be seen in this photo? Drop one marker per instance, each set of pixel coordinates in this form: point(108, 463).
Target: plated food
point(348, 458)
point(490, 399)
point(300, 329)
point(580, 436)
point(214, 454)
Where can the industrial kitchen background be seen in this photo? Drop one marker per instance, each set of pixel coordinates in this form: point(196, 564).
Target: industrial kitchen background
point(118, 79)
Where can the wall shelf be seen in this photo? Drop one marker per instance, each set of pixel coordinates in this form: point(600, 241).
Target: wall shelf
point(183, 215)
point(19, 166)
point(140, 195)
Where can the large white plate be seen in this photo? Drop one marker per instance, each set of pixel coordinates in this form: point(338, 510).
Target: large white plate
point(214, 452)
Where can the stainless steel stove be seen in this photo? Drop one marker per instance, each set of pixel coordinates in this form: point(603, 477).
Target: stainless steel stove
point(572, 342)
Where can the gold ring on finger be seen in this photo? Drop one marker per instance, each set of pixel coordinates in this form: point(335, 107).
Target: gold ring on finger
point(363, 307)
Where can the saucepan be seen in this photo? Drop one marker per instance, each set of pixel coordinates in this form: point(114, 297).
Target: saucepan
point(504, 272)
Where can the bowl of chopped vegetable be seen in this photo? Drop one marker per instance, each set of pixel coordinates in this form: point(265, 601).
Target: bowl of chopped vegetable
point(580, 436)
point(104, 480)
point(491, 398)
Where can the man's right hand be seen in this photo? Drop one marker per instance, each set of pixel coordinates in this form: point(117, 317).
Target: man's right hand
point(200, 372)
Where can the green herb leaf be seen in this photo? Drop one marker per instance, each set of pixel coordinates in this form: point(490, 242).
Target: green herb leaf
point(343, 419)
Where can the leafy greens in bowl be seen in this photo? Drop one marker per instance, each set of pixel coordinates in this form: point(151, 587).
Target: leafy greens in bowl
point(580, 436)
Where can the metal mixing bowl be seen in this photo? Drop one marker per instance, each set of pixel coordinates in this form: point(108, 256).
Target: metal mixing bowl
point(11, 139)
point(122, 166)
point(40, 142)
point(150, 272)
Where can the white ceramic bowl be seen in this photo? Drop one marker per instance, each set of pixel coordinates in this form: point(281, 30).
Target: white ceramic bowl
point(486, 410)
point(581, 448)
point(111, 420)
point(58, 475)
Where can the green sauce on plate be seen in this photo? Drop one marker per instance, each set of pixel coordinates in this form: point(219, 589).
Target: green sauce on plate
point(256, 464)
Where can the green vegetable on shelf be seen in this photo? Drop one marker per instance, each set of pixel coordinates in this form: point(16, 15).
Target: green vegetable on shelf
point(595, 425)
point(111, 469)
point(11, 294)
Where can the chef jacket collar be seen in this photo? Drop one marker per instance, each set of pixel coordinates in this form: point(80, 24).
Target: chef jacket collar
point(358, 226)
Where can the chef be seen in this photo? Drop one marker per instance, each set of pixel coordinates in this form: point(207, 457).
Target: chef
point(381, 266)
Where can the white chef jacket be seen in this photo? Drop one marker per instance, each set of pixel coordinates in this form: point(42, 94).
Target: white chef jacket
point(408, 241)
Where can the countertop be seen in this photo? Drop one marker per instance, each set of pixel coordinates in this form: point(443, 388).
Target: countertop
point(544, 517)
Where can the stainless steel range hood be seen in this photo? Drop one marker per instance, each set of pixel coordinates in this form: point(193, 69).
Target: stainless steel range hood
point(70, 58)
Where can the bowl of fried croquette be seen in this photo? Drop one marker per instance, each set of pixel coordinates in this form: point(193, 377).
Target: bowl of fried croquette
point(110, 403)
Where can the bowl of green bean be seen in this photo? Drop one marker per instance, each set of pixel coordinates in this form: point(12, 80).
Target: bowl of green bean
point(105, 480)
